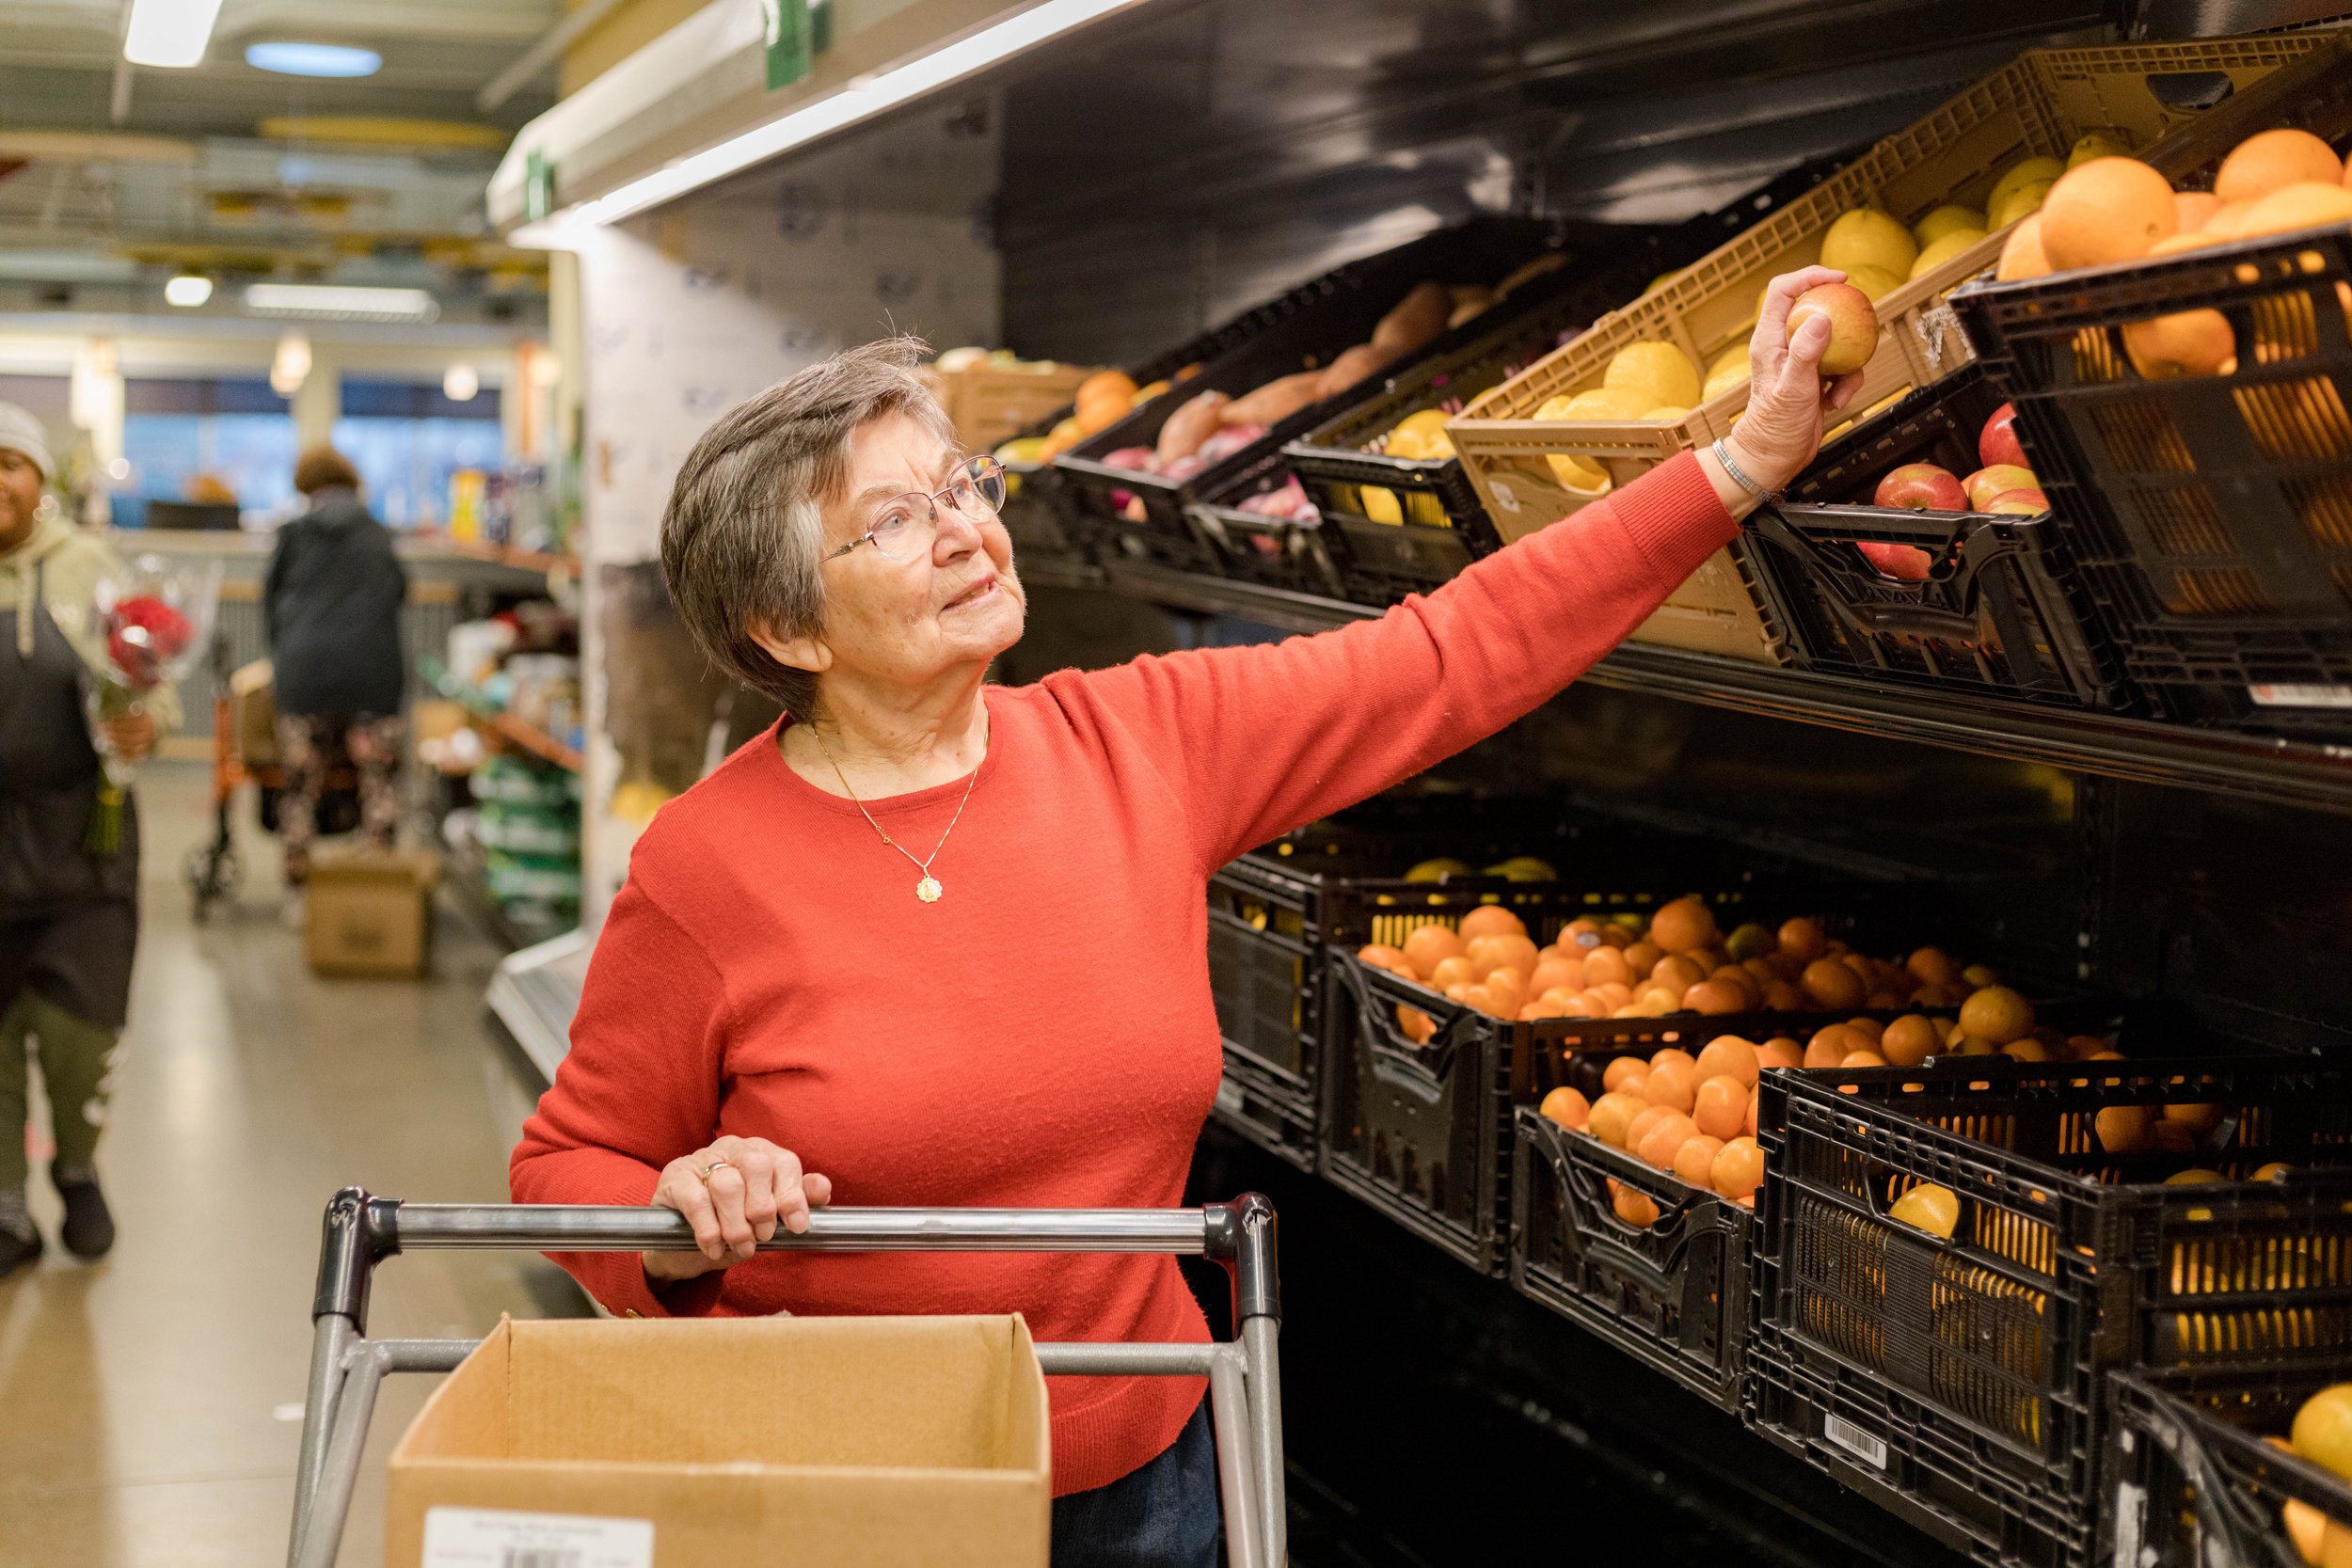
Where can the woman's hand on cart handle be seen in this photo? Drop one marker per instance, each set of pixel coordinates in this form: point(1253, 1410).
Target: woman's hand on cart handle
point(734, 1192)
point(1781, 430)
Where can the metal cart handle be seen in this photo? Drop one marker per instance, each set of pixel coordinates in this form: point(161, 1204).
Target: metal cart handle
point(1245, 1389)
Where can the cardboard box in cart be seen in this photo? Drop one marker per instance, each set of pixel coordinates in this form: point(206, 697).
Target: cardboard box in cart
point(813, 1442)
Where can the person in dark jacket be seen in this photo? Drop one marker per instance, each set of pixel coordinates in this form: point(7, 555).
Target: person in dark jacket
point(331, 604)
point(68, 914)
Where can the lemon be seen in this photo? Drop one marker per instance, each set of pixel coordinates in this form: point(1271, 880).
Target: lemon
point(1943, 221)
point(1438, 871)
point(1953, 242)
point(1659, 373)
point(1665, 415)
point(1729, 369)
point(1659, 281)
point(2026, 171)
point(2096, 144)
point(1028, 449)
point(1865, 237)
point(1381, 505)
point(1579, 476)
point(2021, 202)
point(1875, 281)
point(1606, 403)
point(2323, 1429)
point(1929, 1207)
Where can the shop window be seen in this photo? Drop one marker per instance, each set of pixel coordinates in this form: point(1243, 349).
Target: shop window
point(217, 439)
point(407, 440)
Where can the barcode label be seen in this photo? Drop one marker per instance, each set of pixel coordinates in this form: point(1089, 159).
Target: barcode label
point(2301, 696)
point(501, 1538)
point(1854, 1440)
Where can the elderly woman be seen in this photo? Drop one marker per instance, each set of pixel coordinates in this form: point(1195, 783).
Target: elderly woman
point(944, 941)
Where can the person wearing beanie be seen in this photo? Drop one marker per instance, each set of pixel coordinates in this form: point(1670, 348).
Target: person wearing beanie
point(69, 917)
point(331, 604)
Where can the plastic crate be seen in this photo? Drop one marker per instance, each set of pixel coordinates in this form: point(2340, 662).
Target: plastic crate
point(989, 404)
point(2190, 1481)
point(1443, 526)
point(2003, 611)
point(1128, 516)
point(2037, 105)
point(1266, 1112)
point(1029, 515)
point(1270, 551)
point(1961, 1382)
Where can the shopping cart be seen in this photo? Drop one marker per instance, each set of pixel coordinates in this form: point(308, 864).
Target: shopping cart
point(212, 868)
point(1244, 1374)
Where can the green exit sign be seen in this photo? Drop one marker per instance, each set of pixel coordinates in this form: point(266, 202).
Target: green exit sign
point(797, 31)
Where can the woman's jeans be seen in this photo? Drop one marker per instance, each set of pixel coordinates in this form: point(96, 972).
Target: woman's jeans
point(1164, 1516)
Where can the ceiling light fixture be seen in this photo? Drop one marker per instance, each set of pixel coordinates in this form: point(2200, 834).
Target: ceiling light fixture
point(862, 99)
point(169, 33)
point(290, 366)
point(188, 290)
point(341, 302)
point(460, 383)
point(288, 57)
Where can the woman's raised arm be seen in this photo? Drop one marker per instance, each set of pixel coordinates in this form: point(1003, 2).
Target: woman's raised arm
point(1258, 740)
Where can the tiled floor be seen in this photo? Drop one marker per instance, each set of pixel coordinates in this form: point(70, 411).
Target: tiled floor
point(149, 1402)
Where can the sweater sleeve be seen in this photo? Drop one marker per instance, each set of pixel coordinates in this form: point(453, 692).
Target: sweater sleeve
point(640, 1088)
point(1259, 739)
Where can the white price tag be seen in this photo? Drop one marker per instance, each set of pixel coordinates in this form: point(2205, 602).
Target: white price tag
point(2280, 695)
point(497, 1538)
point(1854, 1440)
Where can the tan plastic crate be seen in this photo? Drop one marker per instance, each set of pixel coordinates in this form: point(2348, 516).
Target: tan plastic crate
point(989, 404)
point(2039, 104)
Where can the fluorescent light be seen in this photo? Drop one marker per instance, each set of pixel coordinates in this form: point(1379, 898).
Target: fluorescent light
point(341, 302)
point(169, 33)
point(188, 290)
point(290, 59)
point(862, 99)
point(460, 383)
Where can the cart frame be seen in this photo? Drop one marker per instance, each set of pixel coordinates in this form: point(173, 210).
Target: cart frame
point(1244, 1374)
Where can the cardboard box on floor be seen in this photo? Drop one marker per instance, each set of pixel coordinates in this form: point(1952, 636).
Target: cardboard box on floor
point(368, 912)
point(817, 1442)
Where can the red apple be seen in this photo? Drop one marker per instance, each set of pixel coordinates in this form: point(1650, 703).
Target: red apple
point(1853, 324)
point(1991, 481)
point(1904, 562)
point(2025, 503)
point(1921, 487)
point(1999, 443)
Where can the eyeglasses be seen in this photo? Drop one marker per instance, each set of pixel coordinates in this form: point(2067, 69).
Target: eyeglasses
point(904, 525)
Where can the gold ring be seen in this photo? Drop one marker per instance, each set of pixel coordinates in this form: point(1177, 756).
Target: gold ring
point(713, 1168)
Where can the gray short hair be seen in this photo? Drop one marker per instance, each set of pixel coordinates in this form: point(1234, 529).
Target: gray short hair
point(742, 538)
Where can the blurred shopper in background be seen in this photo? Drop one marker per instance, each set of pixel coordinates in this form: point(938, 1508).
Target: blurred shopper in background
point(68, 914)
point(330, 606)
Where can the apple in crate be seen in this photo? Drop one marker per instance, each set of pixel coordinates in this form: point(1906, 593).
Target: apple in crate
point(1997, 443)
point(1904, 563)
point(1996, 479)
point(2024, 502)
point(1921, 487)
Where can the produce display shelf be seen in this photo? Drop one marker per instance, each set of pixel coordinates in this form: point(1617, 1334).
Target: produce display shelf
point(2296, 773)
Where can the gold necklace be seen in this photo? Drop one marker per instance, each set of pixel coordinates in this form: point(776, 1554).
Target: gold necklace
point(928, 888)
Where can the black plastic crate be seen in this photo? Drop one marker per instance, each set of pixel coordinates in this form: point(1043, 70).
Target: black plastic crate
point(1266, 1110)
point(2190, 1481)
point(1967, 1376)
point(1442, 525)
point(1029, 515)
point(1675, 1296)
point(2002, 610)
point(1129, 516)
point(1271, 551)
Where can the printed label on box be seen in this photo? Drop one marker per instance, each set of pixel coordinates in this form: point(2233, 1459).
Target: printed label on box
point(497, 1538)
point(1854, 1440)
point(2301, 696)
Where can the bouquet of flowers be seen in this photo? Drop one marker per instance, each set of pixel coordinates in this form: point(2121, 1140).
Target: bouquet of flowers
point(156, 618)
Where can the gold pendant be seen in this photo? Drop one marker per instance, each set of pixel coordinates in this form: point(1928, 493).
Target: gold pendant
point(929, 890)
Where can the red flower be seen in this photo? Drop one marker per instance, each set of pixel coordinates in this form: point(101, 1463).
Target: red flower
point(144, 636)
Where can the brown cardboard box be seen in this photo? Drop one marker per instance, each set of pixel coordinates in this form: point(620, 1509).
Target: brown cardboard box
point(253, 713)
point(368, 911)
point(813, 1442)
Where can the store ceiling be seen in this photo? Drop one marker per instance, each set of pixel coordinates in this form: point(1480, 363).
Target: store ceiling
point(110, 172)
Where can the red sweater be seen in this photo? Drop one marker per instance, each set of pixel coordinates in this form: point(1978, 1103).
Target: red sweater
point(1043, 1036)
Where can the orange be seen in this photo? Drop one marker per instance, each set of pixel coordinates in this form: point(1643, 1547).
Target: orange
point(1683, 924)
point(1736, 974)
point(1379, 957)
point(1721, 1106)
point(2122, 1129)
point(1585, 1004)
point(1642, 957)
point(1802, 940)
point(1664, 1139)
point(2273, 160)
point(1834, 1042)
point(2021, 253)
point(1484, 1001)
point(2189, 239)
point(1636, 1209)
point(1931, 966)
point(2194, 208)
point(1780, 1050)
point(2026, 1049)
point(2302, 206)
point(1425, 947)
point(1676, 972)
point(1717, 998)
point(1554, 972)
point(1578, 935)
point(1832, 985)
point(1604, 966)
point(2199, 1119)
point(1694, 1162)
point(1864, 1058)
point(1613, 993)
point(1567, 1107)
point(1457, 971)
point(2106, 210)
point(1648, 1116)
point(1625, 1070)
point(1738, 1168)
point(1996, 1013)
point(1869, 1026)
point(1612, 1116)
point(1491, 951)
point(1756, 1098)
point(1492, 920)
point(1674, 1054)
point(2184, 343)
point(1782, 997)
point(1928, 1207)
point(1416, 1025)
point(1672, 1084)
point(1910, 1040)
point(1727, 1056)
point(2322, 1433)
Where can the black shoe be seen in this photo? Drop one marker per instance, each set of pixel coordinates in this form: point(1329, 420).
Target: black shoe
point(88, 1230)
point(17, 1252)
